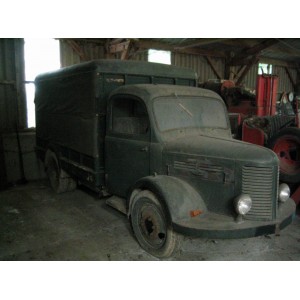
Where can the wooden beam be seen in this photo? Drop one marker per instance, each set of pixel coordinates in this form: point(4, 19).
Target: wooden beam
point(239, 62)
point(116, 41)
point(253, 61)
point(238, 74)
point(148, 44)
point(77, 49)
point(99, 42)
point(212, 65)
point(290, 78)
point(108, 55)
point(202, 52)
point(199, 42)
point(120, 47)
point(125, 52)
point(133, 50)
point(255, 50)
point(227, 73)
point(242, 43)
point(259, 47)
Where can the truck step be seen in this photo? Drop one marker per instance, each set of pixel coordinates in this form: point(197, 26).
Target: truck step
point(117, 203)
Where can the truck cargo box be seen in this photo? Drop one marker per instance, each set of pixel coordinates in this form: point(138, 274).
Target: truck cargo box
point(71, 108)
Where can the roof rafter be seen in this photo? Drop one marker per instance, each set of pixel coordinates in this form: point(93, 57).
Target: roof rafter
point(148, 44)
point(252, 51)
point(200, 42)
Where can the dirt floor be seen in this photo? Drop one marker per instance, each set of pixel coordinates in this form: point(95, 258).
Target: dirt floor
point(37, 224)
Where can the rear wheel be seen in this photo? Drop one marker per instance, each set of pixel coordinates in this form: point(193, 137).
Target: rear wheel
point(59, 179)
point(152, 226)
point(286, 145)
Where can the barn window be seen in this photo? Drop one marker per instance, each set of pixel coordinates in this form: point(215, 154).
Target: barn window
point(159, 56)
point(264, 68)
point(41, 55)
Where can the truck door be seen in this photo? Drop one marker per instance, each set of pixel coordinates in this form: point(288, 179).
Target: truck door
point(127, 144)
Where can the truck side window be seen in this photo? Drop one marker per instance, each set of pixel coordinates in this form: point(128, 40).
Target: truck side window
point(129, 116)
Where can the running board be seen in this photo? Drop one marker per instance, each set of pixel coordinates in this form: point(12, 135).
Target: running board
point(117, 203)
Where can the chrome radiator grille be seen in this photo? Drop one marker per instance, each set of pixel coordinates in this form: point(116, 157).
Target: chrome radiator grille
point(258, 182)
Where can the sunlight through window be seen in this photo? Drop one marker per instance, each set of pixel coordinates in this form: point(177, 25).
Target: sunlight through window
point(41, 55)
point(159, 56)
point(264, 68)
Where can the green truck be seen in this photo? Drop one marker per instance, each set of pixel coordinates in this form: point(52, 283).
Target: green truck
point(159, 149)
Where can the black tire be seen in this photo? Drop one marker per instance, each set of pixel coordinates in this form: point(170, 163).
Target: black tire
point(286, 145)
point(151, 225)
point(59, 180)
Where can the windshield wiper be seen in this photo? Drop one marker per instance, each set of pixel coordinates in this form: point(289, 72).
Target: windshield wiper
point(185, 109)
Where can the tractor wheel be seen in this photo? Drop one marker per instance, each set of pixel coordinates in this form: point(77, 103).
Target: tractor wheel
point(151, 225)
point(286, 145)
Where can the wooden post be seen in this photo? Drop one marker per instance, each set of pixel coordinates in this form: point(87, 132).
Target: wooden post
point(252, 61)
point(77, 49)
point(212, 65)
point(122, 48)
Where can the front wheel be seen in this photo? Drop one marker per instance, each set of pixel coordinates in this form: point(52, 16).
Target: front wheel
point(286, 145)
point(152, 226)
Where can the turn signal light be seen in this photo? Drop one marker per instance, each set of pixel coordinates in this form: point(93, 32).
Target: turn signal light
point(196, 212)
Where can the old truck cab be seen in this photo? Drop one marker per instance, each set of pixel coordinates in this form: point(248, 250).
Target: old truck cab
point(160, 150)
point(170, 153)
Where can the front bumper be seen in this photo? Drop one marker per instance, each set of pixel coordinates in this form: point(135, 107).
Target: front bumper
point(211, 225)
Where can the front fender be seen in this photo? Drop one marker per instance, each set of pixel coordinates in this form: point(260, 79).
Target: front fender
point(179, 198)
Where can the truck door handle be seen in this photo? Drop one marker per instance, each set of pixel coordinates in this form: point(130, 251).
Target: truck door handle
point(144, 149)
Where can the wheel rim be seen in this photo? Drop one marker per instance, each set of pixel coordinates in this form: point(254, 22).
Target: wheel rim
point(287, 148)
point(152, 226)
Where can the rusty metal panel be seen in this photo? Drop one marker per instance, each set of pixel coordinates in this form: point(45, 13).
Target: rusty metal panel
point(12, 89)
point(285, 84)
point(199, 65)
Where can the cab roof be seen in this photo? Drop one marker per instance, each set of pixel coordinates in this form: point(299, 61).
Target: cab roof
point(147, 92)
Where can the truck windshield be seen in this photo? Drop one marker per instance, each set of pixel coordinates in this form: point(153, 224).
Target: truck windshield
point(189, 112)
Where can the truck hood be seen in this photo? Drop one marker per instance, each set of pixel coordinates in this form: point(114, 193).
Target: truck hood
point(221, 148)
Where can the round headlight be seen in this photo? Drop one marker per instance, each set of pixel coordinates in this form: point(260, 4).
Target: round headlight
point(243, 204)
point(284, 192)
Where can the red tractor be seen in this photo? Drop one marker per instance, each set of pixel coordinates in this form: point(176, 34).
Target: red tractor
point(263, 119)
